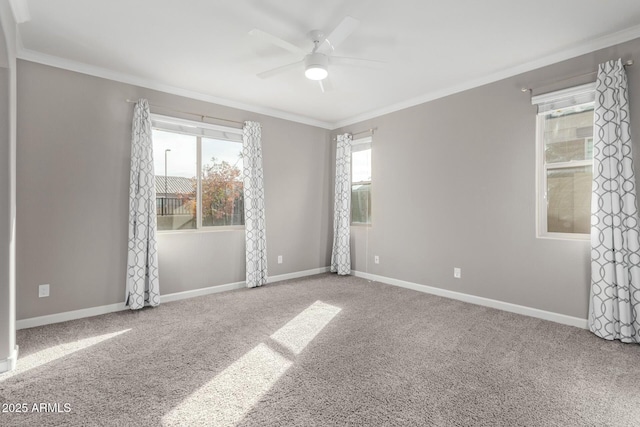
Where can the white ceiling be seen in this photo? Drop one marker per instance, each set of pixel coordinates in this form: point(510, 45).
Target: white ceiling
point(201, 48)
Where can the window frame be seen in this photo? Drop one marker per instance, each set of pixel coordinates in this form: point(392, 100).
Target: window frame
point(199, 130)
point(361, 141)
point(566, 98)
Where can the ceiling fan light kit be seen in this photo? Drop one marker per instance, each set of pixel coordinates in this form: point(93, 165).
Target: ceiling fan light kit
point(316, 63)
point(316, 66)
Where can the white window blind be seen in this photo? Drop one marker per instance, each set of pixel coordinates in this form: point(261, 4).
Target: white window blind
point(571, 97)
point(361, 144)
point(190, 127)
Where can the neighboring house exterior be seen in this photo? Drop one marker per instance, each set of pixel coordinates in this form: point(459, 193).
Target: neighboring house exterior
point(173, 194)
point(174, 186)
point(175, 199)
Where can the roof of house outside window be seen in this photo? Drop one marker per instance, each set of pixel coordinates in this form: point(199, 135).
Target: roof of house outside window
point(175, 184)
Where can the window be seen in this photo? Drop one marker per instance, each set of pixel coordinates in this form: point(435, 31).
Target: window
point(198, 174)
point(361, 181)
point(565, 162)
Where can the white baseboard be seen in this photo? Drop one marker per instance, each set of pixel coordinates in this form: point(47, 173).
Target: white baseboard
point(69, 315)
point(111, 308)
point(487, 302)
point(298, 274)
point(200, 292)
point(9, 364)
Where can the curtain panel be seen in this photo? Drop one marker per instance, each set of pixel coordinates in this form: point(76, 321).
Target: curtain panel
point(615, 239)
point(341, 253)
point(254, 209)
point(142, 284)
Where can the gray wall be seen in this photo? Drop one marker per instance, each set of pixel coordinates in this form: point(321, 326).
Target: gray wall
point(73, 159)
point(454, 186)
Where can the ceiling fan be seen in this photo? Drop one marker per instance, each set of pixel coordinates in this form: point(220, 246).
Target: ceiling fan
point(316, 63)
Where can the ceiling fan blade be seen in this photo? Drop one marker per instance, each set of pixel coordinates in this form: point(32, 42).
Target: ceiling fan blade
point(325, 85)
point(277, 41)
point(358, 62)
point(339, 34)
point(278, 70)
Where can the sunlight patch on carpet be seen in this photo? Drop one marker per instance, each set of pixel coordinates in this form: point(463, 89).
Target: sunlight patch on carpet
point(303, 328)
point(226, 399)
point(50, 354)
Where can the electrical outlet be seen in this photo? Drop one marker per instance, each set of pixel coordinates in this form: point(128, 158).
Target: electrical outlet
point(279, 259)
point(376, 259)
point(457, 272)
point(43, 291)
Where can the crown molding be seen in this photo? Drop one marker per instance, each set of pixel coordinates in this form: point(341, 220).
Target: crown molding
point(585, 47)
point(582, 48)
point(80, 67)
point(9, 40)
point(20, 10)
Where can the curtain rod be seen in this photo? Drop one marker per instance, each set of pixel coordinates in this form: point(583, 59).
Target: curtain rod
point(530, 90)
point(371, 131)
point(202, 116)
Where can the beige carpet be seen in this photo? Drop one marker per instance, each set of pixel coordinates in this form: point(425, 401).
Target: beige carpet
point(320, 351)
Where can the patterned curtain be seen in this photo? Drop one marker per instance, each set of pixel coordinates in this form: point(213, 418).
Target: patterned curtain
point(615, 240)
point(341, 254)
point(142, 260)
point(254, 216)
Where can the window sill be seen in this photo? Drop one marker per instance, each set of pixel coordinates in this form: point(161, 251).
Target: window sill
point(565, 236)
point(204, 230)
point(360, 224)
